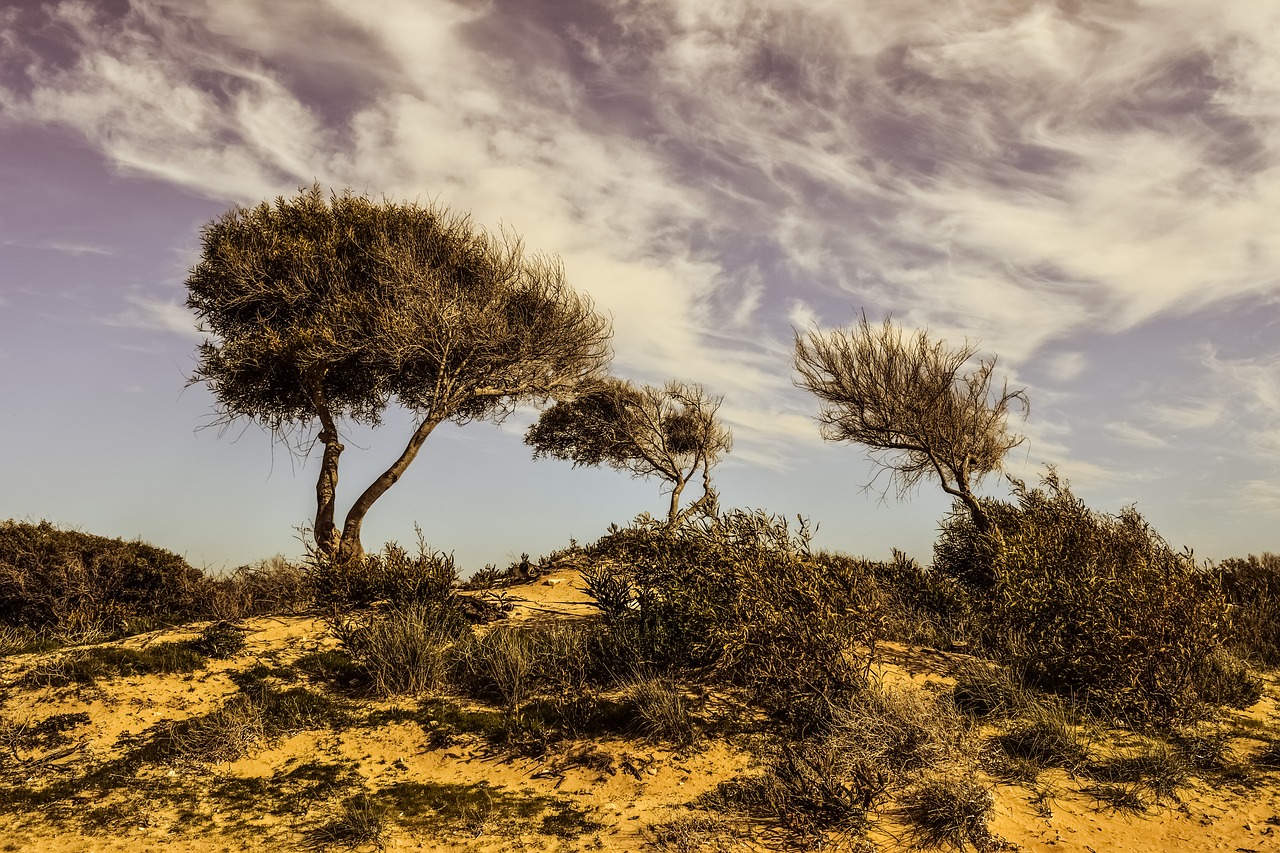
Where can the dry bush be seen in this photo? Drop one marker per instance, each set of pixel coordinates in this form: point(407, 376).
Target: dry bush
point(1088, 605)
point(989, 691)
point(1046, 735)
point(68, 581)
point(660, 710)
point(501, 665)
point(393, 576)
point(1252, 586)
point(273, 586)
point(949, 810)
point(737, 598)
point(403, 650)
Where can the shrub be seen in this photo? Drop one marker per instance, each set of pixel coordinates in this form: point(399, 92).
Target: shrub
point(737, 597)
point(392, 575)
point(1252, 586)
point(500, 665)
point(661, 711)
point(1223, 679)
point(403, 650)
point(920, 605)
point(68, 580)
point(219, 640)
point(87, 666)
point(987, 690)
point(271, 586)
point(950, 810)
point(1089, 605)
point(1045, 736)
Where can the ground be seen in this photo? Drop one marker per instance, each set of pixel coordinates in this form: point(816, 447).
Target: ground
point(111, 765)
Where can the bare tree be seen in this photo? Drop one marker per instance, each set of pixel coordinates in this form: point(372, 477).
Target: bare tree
point(906, 398)
point(325, 309)
point(669, 432)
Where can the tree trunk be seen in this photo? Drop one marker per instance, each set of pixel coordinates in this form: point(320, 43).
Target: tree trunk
point(350, 547)
point(325, 531)
point(673, 515)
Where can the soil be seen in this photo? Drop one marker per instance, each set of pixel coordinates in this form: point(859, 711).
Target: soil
point(71, 779)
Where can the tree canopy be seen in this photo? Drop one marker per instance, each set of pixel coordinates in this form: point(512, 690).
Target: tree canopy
point(910, 401)
point(669, 432)
point(324, 308)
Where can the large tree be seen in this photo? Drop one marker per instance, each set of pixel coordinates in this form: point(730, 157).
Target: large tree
point(326, 308)
point(912, 402)
point(670, 432)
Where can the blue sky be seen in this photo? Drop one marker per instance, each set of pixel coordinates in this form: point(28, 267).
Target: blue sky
point(1087, 189)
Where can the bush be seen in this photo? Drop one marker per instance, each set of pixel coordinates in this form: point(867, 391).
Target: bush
point(661, 711)
point(273, 586)
point(1252, 587)
point(501, 665)
point(70, 581)
point(1223, 679)
point(393, 576)
point(739, 598)
point(404, 650)
point(949, 810)
point(1092, 606)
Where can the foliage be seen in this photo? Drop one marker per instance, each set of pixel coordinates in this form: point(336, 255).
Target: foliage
point(667, 432)
point(393, 575)
point(273, 586)
point(322, 310)
point(951, 811)
point(906, 399)
point(1092, 606)
point(737, 597)
point(65, 579)
point(405, 649)
point(219, 640)
point(1252, 587)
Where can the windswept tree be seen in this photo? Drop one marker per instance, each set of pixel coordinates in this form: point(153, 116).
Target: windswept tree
point(912, 402)
point(325, 309)
point(670, 432)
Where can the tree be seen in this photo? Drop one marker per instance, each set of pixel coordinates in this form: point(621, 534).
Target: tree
point(905, 397)
point(669, 432)
point(326, 309)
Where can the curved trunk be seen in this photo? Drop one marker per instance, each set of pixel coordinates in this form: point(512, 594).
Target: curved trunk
point(350, 547)
point(325, 531)
point(673, 514)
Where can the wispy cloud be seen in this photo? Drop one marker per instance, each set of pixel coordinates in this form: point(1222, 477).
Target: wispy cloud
point(66, 247)
point(1134, 435)
point(714, 173)
point(154, 315)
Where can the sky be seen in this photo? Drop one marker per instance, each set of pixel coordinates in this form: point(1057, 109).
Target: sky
point(1087, 190)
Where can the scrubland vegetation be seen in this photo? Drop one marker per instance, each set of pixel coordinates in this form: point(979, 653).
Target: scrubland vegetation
point(1070, 629)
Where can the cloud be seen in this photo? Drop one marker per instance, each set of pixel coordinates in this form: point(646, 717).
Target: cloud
point(154, 315)
point(714, 173)
point(1136, 436)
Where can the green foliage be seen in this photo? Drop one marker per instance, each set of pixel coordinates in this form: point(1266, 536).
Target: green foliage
point(65, 579)
point(87, 666)
point(404, 649)
point(739, 598)
point(1252, 587)
point(667, 432)
point(1093, 606)
point(393, 576)
point(219, 640)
